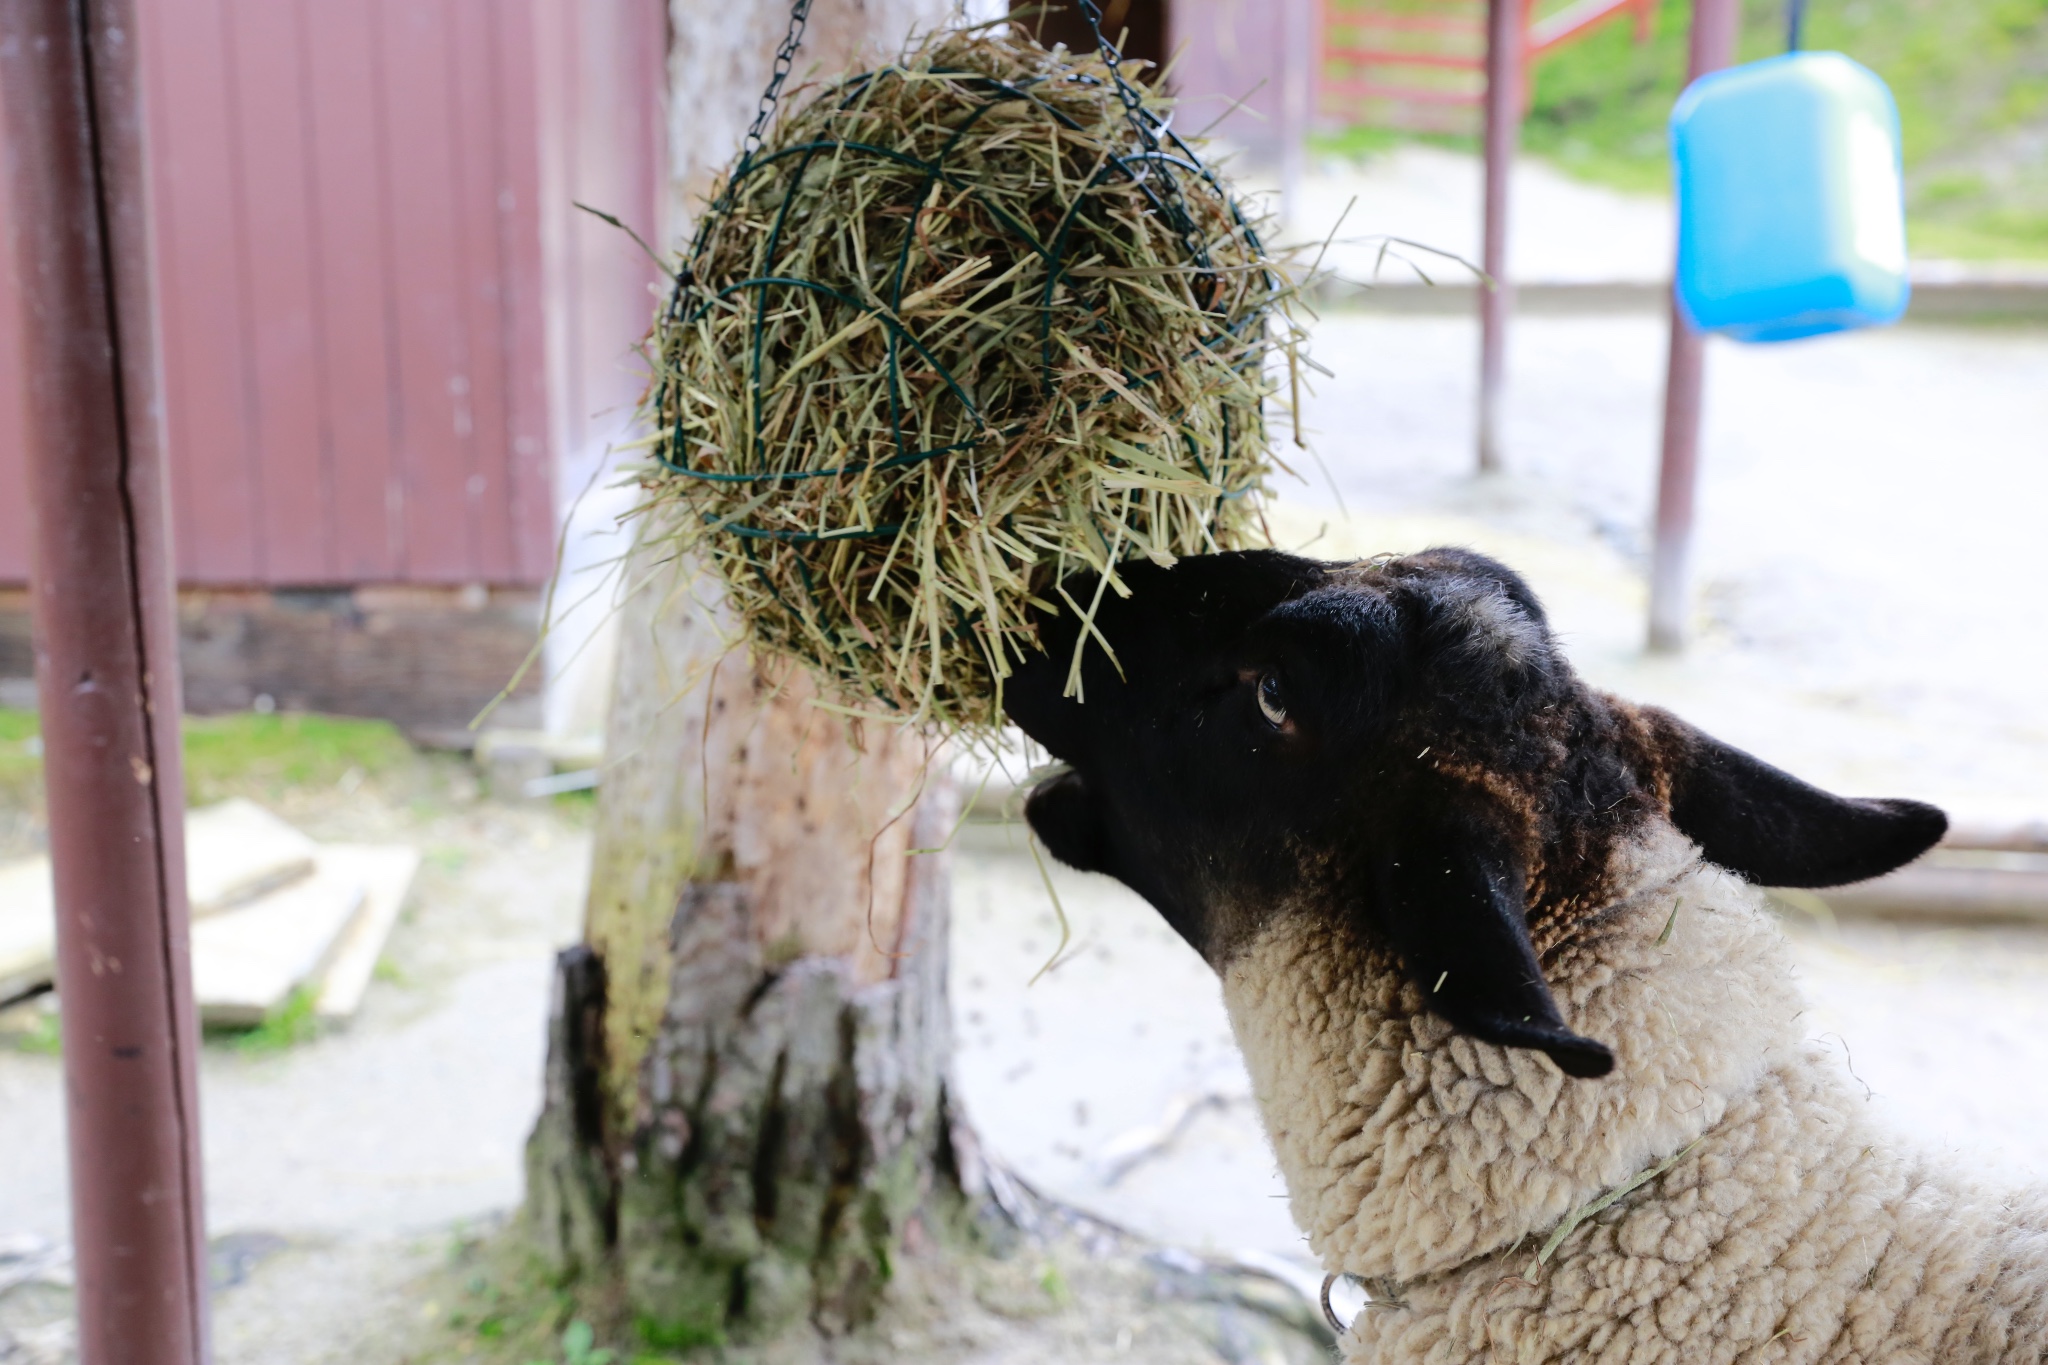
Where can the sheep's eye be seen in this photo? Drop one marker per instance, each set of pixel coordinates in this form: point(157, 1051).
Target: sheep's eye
point(1270, 705)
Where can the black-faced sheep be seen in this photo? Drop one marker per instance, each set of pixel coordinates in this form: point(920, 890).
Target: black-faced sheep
point(1490, 943)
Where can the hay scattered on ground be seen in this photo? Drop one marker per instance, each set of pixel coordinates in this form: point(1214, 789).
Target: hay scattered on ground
point(962, 326)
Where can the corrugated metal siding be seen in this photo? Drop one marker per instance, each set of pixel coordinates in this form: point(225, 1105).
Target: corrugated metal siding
point(348, 242)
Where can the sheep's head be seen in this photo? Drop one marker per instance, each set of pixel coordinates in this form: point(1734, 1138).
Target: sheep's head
point(1400, 742)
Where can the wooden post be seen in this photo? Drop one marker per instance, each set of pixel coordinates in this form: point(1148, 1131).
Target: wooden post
point(1714, 27)
point(1297, 55)
point(107, 675)
point(1505, 33)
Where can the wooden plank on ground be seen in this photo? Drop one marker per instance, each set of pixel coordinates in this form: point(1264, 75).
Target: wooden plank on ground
point(386, 871)
point(237, 850)
point(28, 944)
point(233, 851)
point(246, 962)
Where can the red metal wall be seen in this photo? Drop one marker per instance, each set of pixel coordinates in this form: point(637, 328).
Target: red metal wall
point(349, 258)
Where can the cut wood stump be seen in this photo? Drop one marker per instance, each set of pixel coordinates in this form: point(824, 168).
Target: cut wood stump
point(747, 1110)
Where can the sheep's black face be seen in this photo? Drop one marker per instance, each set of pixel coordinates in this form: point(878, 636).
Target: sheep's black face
point(1399, 742)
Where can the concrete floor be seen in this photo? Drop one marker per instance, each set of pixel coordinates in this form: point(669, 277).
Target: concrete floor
point(337, 1170)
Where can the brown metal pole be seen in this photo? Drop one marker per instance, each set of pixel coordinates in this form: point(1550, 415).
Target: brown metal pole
point(1505, 33)
point(1714, 27)
point(107, 675)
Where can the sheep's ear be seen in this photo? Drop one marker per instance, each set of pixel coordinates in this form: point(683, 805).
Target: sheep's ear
point(1768, 827)
point(1450, 896)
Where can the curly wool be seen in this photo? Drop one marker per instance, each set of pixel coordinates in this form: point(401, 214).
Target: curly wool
point(1788, 1230)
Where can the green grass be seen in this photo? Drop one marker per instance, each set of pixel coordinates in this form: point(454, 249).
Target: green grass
point(226, 755)
point(495, 1303)
point(243, 754)
point(21, 762)
point(285, 1027)
point(1360, 142)
point(42, 1037)
point(1970, 76)
point(1600, 103)
point(579, 1347)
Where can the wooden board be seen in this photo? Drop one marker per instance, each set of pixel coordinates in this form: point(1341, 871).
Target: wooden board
point(27, 928)
point(386, 871)
point(236, 851)
point(246, 962)
point(233, 851)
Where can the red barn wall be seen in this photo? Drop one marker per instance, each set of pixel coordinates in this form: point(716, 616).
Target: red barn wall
point(346, 206)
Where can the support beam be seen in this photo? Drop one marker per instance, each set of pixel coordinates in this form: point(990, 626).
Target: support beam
point(1297, 83)
point(107, 675)
point(1714, 27)
point(1506, 25)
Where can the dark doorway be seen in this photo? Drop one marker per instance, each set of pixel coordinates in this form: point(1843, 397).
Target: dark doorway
point(1142, 24)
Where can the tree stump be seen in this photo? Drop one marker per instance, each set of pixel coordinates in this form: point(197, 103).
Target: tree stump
point(746, 1109)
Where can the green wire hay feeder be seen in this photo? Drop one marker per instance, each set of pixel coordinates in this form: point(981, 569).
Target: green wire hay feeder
point(953, 329)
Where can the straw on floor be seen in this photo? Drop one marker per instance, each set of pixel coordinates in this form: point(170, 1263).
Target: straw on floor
point(961, 326)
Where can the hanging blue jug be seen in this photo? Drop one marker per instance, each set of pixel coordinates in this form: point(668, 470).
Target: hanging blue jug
point(1791, 210)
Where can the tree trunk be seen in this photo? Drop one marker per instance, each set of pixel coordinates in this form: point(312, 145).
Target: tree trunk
point(746, 1088)
point(746, 1111)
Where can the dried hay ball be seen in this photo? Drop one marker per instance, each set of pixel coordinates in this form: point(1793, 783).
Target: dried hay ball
point(961, 326)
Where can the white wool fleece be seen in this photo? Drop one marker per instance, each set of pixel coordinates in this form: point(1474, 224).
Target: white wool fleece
point(1438, 1166)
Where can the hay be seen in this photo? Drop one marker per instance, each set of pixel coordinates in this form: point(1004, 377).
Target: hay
point(961, 326)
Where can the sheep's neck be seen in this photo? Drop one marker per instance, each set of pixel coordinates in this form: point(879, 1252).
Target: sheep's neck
point(1409, 1149)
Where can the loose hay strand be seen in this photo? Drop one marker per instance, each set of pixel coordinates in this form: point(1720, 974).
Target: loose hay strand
point(958, 326)
point(1601, 1204)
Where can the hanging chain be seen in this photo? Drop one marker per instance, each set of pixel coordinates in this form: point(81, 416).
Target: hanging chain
point(785, 58)
point(1145, 126)
point(1113, 58)
point(764, 113)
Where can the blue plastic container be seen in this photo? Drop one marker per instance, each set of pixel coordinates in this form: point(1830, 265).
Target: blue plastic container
point(1791, 212)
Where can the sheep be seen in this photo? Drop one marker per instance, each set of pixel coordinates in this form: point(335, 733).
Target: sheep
point(1521, 1030)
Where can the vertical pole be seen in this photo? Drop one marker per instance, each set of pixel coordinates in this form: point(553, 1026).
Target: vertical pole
point(1297, 30)
point(1505, 34)
point(1714, 26)
point(107, 675)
